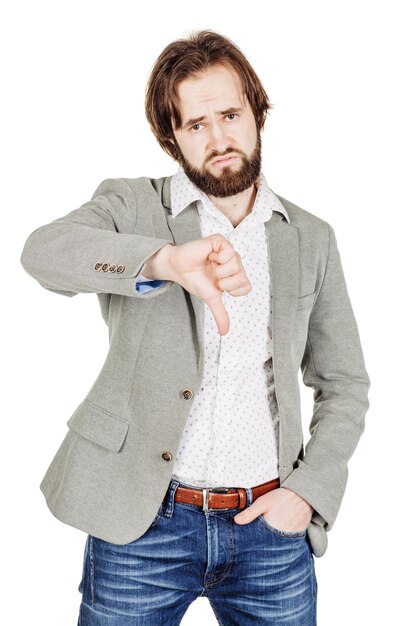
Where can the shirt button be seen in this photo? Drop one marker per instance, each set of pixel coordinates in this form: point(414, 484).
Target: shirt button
point(112, 268)
point(97, 266)
point(187, 394)
point(167, 456)
point(120, 269)
point(105, 267)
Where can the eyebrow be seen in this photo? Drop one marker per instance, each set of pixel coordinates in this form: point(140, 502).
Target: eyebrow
point(197, 120)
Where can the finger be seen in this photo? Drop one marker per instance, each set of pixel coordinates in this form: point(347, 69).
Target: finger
point(242, 291)
point(223, 253)
point(222, 256)
point(248, 514)
point(235, 285)
point(229, 268)
point(219, 314)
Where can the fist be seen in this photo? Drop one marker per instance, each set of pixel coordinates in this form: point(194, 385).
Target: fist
point(206, 268)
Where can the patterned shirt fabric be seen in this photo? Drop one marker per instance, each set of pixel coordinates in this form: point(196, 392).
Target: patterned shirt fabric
point(231, 435)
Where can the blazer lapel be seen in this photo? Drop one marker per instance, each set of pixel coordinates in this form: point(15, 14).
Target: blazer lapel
point(185, 227)
point(283, 250)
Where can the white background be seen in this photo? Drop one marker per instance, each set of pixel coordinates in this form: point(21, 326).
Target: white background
point(340, 143)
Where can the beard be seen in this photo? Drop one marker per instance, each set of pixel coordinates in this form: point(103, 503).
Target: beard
point(230, 182)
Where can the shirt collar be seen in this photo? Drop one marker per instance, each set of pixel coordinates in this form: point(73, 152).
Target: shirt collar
point(184, 192)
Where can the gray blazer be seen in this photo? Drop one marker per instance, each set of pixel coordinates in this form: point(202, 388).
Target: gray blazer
point(114, 465)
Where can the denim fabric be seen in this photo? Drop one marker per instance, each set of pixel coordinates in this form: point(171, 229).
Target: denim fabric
point(252, 574)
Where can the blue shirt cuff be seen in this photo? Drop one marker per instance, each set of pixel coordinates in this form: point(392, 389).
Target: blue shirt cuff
point(143, 287)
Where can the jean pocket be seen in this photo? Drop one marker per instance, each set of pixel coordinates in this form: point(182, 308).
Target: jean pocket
point(281, 533)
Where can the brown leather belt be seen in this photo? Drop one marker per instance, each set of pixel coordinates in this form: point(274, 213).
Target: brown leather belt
point(233, 498)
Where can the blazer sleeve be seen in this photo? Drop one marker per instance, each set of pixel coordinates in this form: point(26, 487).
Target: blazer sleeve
point(144, 284)
point(333, 365)
point(94, 249)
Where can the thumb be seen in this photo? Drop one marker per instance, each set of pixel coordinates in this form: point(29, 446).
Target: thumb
point(219, 313)
point(248, 514)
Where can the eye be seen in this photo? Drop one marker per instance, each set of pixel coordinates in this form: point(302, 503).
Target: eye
point(195, 126)
point(232, 115)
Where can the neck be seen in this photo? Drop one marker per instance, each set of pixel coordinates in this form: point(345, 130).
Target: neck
point(237, 207)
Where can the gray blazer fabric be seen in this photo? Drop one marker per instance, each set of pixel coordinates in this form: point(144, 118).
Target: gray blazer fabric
point(111, 471)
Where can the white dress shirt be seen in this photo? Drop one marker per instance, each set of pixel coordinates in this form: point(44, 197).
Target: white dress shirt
point(231, 435)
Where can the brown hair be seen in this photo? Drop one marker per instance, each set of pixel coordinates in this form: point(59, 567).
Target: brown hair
point(181, 58)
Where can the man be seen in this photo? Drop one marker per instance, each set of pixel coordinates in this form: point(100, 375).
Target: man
point(185, 463)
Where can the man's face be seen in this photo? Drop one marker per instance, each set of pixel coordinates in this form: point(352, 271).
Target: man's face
point(217, 121)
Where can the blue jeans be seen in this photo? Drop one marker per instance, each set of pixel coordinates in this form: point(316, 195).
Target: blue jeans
point(251, 573)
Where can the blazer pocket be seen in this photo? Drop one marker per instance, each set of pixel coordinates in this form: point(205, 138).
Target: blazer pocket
point(305, 302)
point(99, 426)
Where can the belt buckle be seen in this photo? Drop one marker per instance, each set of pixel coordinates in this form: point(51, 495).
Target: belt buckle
point(206, 491)
point(206, 498)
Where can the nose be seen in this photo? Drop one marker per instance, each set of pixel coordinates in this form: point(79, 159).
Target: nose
point(219, 140)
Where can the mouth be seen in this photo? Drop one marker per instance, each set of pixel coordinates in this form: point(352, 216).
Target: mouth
point(224, 161)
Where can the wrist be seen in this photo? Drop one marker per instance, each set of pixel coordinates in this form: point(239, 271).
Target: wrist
point(298, 497)
point(158, 266)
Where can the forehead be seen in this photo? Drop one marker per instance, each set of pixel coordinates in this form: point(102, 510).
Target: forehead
point(219, 86)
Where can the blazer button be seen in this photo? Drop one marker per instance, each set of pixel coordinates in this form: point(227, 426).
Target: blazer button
point(167, 456)
point(112, 268)
point(120, 269)
point(187, 394)
point(97, 266)
point(105, 267)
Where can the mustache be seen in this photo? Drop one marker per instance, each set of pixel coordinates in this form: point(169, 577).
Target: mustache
point(216, 155)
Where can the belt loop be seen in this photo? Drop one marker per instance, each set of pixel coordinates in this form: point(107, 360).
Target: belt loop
point(249, 496)
point(170, 498)
point(243, 497)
